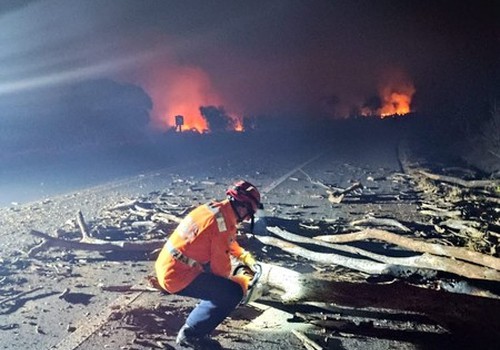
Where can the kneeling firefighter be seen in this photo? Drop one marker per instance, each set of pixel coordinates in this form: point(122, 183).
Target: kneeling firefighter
point(195, 262)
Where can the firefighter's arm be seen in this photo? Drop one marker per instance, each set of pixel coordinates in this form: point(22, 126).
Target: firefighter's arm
point(247, 259)
point(235, 249)
point(241, 254)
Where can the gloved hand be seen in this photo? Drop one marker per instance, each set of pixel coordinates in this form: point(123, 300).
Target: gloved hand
point(247, 259)
point(243, 280)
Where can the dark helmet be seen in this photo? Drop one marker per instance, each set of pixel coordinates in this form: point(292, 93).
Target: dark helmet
point(247, 194)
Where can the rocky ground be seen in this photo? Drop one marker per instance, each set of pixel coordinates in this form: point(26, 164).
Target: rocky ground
point(58, 299)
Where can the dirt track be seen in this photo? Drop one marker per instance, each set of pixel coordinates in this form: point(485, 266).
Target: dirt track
point(70, 311)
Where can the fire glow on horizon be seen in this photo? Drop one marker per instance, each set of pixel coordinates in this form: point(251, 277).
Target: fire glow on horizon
point(396, 100)
point(182, 91)
point(395, 93)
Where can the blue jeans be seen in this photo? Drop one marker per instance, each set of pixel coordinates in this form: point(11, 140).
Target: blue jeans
point(219, 297)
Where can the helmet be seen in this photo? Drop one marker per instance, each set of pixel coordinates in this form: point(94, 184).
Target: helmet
point(245, 193)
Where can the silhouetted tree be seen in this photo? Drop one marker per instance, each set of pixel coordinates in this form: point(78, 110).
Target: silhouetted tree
point(217, 118)
point(104, 110)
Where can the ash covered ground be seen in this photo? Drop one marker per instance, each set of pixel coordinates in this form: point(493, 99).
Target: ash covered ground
point(55, 298)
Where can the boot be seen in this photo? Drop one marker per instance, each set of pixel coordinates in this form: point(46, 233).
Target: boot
point(188, 338)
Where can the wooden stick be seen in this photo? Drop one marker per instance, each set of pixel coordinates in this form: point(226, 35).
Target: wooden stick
point(37, 248)
point(18, 295)
point(129, 288)
point(308, 342)
point(165, 217)
point(418, 246)
point(372, 221)
point(83, 226)
point(124, 205)
point(318, 183)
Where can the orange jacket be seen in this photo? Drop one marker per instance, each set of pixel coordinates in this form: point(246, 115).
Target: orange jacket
point(207, 235)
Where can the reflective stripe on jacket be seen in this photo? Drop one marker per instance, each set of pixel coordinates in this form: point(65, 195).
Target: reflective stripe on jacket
point(206, 235)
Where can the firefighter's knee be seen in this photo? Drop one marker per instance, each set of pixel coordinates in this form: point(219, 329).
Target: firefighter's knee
point(236, 293)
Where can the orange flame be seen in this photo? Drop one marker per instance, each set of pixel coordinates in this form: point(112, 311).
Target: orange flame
point(238, 124)
point(180, 91)
point(396, 100)
point(395, 93)
point(174, 89)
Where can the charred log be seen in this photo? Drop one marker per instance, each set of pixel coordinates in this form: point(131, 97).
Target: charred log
point(459, 313)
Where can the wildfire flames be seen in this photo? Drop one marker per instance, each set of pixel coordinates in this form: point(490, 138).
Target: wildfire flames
point(238, 124)
point(188, 92)
point(396, 100)
point(395, 95)
point(182, 91)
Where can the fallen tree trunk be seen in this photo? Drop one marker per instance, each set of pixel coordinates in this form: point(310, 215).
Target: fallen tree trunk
point(423, 265)
point(414, 245)
point(461, 182)
point(89, 243)
point(463, 315)
point(367, 266)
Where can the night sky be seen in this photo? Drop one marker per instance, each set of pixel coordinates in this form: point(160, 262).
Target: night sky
point(277, 58)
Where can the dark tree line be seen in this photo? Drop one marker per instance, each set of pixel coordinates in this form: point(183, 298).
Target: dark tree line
point(97, 112)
